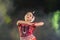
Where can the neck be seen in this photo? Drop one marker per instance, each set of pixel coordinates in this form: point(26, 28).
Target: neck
point(28, 20)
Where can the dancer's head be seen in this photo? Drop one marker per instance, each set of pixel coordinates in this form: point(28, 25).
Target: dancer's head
point(29, 17)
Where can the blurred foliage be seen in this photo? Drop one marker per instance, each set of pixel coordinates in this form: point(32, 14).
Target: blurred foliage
point(4, 20)
point(55, 20)
point(7, 19)
point(3, 11)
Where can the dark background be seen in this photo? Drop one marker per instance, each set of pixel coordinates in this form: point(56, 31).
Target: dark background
point(47, 11)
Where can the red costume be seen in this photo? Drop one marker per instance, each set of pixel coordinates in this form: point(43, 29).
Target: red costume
point(26, 30)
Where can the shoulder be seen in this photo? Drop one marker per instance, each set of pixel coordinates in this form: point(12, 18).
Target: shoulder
point(20, 21)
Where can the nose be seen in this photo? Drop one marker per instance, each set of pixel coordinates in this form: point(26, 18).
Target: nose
point(27, 17)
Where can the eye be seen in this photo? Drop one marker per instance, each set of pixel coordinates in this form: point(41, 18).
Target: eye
point(30, 15)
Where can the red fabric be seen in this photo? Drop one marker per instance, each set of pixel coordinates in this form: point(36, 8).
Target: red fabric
point(25, 28)
point(30, 37)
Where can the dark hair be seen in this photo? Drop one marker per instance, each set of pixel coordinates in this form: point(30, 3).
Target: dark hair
point(33, 12)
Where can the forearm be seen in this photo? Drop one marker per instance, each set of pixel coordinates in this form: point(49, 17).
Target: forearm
point(39, 24)
point(23, 22)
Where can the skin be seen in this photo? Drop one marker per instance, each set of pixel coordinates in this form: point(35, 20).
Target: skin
point(28, 20)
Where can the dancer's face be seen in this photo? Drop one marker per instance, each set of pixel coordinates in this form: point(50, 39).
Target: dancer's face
point(29, 17)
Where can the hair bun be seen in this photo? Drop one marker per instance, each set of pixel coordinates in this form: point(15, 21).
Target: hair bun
point(33, 12)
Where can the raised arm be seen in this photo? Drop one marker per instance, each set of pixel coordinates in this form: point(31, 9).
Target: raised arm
point(39, 24)
point(24, 22)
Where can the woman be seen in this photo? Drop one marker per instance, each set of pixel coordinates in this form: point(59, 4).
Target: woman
point(27, 27)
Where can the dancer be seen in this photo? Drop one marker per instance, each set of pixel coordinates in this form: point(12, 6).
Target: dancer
point(27, 26)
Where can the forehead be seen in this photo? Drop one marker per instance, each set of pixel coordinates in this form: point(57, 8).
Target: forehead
point(29, 13)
